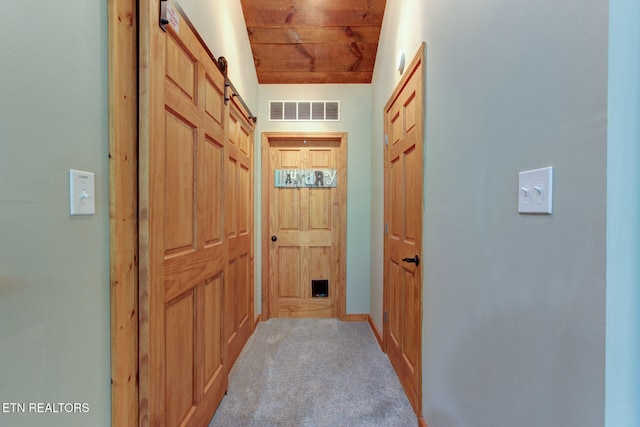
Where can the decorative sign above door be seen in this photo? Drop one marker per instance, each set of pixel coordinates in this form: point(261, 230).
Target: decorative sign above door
point(297, 178)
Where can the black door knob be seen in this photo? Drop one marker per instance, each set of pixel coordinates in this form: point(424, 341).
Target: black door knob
point(274, 238)
point(415, 260)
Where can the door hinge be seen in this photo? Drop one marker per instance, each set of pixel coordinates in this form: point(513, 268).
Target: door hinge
point(386, 139)
point(386, 228)
point(385, 317)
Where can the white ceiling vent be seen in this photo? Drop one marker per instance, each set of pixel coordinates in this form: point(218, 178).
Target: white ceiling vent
point(327, 111)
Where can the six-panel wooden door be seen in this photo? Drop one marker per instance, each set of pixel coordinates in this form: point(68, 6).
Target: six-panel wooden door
point(238, 291)
point(306, 227)
point(195, 226)
point(403, 123)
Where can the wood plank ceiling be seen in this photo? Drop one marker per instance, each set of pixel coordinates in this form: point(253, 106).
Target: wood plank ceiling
point(314, 41)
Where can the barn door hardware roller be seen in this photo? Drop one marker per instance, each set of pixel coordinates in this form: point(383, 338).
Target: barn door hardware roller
point(229, 89)
point(168, 15)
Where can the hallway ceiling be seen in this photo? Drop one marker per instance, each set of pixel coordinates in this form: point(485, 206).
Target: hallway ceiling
point(314, 41)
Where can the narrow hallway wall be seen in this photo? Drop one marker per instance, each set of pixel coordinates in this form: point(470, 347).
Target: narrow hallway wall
point(514, 305)
point(221, 26)
point(54, 269)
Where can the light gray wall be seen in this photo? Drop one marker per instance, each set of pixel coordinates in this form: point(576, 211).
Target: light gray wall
point(623, 213)
point(514, 306)
point(221, 26)
point(355, 105)
point(54, 269)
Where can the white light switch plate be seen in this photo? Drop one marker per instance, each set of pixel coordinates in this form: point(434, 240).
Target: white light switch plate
point(82, 193)
point(535, 191)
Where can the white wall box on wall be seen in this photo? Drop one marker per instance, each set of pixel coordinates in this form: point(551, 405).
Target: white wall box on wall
point(82, 193)
point(535, 191)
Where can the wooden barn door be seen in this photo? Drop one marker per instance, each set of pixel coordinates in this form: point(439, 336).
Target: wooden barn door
point(403, 123)
point(181, 224)
point(238, 290)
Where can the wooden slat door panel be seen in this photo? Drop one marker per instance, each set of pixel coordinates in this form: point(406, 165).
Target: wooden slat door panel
point(403, 215)
point(183, 249)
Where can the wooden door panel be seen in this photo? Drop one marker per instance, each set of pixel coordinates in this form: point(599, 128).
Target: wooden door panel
point(289, 158)
point(181, 66)
point(410, 108)
point(294, 238)
point(244, 194)
point(237, 308)
point(239, 226)
point(179, 183)
point(233, 130)
point(245, 140)
point(320, 258)
point(231, 205)
point(320, 199)
point(242, 290)
point(395, 318)
point(182, 273)
point(320, 158)
point(240, 135)
point(403, 215)
point(229, 302)
point(242, 246)
point(306, 222)
point(195, 227)
point(289, 272)
point(412, 195)
point(308, 225)
point(319, 210)
point(395, 130)
point(288, 213)
point(396, 197)
point(185, 264)
point(213, 354)
point(411, 306)
point(210, 167)
point(180, 355)
point(287, 201)
point(214, 97)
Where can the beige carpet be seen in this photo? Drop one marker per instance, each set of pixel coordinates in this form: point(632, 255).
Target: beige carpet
point(313, 372)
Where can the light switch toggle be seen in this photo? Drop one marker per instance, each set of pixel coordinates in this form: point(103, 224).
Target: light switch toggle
point(82, 199)
point(535, 191)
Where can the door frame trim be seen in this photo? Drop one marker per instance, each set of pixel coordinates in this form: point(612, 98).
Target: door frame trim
point(123, 209)
point(267, 139)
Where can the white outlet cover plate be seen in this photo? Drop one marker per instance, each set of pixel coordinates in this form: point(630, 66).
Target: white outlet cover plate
point(535, 191)
point(82, 193)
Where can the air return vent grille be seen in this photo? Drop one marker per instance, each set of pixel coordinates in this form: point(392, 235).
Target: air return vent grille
point(327, 111)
